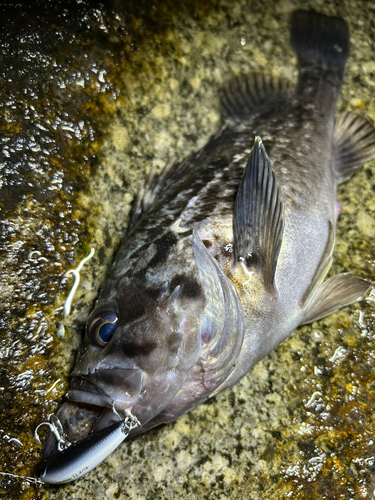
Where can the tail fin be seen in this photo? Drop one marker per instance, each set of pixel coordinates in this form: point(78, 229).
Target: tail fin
point(321, 42)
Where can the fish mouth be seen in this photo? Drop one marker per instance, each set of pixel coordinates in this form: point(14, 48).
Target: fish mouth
point(87, 393)
point(95, 402)
point(115, 387)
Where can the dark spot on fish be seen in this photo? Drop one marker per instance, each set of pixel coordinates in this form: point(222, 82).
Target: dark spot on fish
point(206, 337)
point(163, 247)
point(135, 308)
point(207, 243)
point(190, 288)
point(136, 302)
point(132, 349)
point(154, 293)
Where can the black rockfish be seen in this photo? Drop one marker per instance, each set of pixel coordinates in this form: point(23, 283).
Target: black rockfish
point(225, 256)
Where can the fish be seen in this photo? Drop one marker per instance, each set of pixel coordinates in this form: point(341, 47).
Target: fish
point(226, 254)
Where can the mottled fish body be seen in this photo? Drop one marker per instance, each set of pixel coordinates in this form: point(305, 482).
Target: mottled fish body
point(227, 251)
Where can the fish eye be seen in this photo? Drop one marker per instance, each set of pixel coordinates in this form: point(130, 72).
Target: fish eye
point(101, 327)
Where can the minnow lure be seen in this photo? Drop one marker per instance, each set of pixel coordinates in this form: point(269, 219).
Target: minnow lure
point(75, 460)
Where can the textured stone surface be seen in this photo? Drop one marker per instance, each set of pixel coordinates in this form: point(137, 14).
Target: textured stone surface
point(92, 98)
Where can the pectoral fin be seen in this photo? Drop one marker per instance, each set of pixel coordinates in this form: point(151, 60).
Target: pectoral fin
point(338, 291)
point(258, 216)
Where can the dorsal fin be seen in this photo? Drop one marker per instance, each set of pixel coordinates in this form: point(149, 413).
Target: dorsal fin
point(354, 143)
point(148, 193)
point(258, 215)
point(158, 187)
point(246, 95)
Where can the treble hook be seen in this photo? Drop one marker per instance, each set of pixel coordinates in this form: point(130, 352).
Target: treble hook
point(57, 430)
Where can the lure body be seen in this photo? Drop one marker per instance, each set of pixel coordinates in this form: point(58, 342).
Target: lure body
point(80, 458)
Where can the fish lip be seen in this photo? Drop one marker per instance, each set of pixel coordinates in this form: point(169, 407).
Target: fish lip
point(87, 397)
point(86, 392)
point(113, 390)
point(119, 387)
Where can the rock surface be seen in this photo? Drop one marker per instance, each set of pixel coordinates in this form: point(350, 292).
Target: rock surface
point(91, 98)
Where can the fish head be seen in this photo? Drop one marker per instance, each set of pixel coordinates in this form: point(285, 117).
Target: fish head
point(141, 340)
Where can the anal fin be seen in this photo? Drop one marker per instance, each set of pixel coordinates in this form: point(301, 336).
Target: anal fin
point(338, 291)
point(258, 216)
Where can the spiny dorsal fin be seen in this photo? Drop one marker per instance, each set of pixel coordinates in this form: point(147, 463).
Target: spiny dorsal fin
point(246, 95)
point(258, 215)
point(354, 143)
point(160, 187)
point(338, 291)
point(148, 193)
